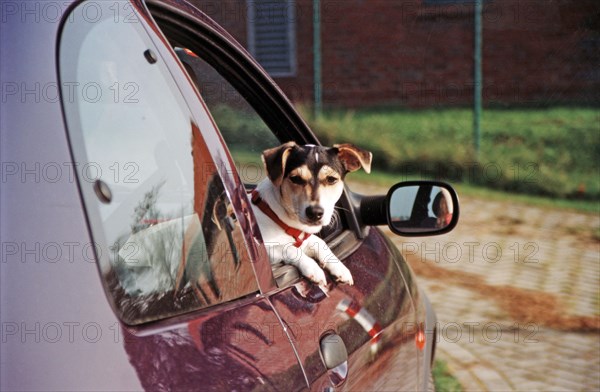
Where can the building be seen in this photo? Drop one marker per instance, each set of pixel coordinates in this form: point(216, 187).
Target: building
point(419, 53)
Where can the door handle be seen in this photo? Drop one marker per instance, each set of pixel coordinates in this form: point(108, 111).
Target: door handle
point(335, 358)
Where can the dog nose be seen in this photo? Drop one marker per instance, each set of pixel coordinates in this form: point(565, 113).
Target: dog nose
point(314, 212)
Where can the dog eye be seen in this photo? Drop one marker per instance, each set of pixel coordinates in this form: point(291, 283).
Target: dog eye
point(330, 180)
point(297, 180)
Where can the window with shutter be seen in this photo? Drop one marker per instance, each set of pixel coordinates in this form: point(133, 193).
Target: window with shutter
point(271, 35)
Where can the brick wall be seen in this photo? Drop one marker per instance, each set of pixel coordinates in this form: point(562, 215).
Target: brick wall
point(408, 53)
point(232, 15)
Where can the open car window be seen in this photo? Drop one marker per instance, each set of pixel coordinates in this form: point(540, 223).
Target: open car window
point(214, 46)
point(156, 205)
point(246, 134)
point(244, 131)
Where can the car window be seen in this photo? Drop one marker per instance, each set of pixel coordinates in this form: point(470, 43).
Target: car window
point(159, 215)
point(245, 133)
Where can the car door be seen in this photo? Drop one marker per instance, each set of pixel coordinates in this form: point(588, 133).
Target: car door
point(374, 320)
point(157, 184)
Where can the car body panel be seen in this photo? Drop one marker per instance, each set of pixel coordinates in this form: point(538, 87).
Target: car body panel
point(54, 314)
point(380, 322)
point(244, 349)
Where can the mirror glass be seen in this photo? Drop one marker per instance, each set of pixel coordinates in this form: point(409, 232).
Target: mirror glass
point(421, 209)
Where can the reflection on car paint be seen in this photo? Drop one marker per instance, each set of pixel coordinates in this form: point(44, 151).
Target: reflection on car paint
point(378, 293)
point(243, 349)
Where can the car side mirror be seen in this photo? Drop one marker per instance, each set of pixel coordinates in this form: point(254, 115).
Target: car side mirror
point(422, 208)
point(413, 208)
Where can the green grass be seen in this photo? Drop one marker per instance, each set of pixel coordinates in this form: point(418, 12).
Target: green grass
point(443, 380)
point(549, 152)
point(247, 163)
point(430, 144)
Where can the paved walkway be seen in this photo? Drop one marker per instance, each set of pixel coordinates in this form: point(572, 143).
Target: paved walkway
point(516, 289)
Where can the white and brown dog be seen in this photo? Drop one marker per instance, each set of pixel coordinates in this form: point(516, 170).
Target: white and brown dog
point(298, 198)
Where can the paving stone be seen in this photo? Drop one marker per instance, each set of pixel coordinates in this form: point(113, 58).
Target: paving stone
point(531, 386)
point(461, 354)
point(468, 381)
point(491, 378)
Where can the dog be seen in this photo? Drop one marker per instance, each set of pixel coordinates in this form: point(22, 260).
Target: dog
point(297, 198)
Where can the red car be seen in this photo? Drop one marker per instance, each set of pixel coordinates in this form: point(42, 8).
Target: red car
point(130, 133)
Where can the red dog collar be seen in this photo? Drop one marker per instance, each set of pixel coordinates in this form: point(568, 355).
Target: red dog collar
point(298, 235)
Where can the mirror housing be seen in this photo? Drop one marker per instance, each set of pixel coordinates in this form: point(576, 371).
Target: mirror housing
point(413, 208)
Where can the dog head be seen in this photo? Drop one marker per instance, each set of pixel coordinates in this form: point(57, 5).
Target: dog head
point(310, 178)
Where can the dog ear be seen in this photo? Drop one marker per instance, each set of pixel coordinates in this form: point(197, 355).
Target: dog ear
point(274, 160)
point(353, 157)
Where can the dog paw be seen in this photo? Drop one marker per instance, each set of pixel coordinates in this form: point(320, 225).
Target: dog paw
point(314, 273)
point(340, 272)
